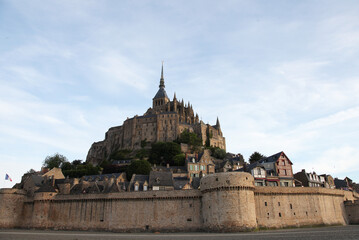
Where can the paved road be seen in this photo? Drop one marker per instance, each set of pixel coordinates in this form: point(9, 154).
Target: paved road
point(327, 233)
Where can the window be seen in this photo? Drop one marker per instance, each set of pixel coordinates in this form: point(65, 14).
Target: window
point(265, 203)
point(136, 187)
point(278, 203)
point(191, 167)
point(144, 188)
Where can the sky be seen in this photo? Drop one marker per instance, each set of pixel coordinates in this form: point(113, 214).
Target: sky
point(280, 75)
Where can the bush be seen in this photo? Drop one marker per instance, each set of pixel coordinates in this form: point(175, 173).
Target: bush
point(218, 152)
point(190, 138)
point(163, 152)
point(114, 169)
point(56, 160)
point(179, 160)
point(142, 167)
point(121, 155)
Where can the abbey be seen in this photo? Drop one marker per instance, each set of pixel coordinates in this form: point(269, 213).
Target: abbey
point(163, 122)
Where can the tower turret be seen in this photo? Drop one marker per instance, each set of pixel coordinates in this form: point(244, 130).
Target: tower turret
point(161, 99)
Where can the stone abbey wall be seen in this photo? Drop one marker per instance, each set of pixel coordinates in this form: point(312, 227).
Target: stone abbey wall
point(226, 202)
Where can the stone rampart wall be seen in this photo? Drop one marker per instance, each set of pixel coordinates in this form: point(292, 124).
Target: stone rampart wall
point(131, 211)
point(278, 207)
point(226, 202)
point(352, 209)
point(11, 205)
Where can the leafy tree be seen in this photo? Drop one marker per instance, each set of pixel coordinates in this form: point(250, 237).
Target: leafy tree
point(82, 170)
point(142, 153)
point(218, 152)
point(256, 156)
point(163, 152)
point(76, 162)
point(190, 138)
point(144, 143)
point(114, 169)
point(138, 167)
point(179, 159)
point(66, 166)
point(123, 154)
point(56, 160)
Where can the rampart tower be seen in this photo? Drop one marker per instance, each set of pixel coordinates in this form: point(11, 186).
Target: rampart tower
point(228, 202)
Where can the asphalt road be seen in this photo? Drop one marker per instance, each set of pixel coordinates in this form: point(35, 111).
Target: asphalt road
point(328, 233)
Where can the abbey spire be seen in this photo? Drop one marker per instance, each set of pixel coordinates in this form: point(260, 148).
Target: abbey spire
point(161, 99)
point(162, 80)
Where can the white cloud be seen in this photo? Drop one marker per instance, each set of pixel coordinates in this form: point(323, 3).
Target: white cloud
point(335, 161)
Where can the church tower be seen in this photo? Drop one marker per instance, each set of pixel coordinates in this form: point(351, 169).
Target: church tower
point(161, 99)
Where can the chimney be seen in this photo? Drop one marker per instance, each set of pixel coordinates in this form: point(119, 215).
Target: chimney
point(53, 180)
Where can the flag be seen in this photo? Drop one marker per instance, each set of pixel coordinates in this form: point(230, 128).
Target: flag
point(7, 177)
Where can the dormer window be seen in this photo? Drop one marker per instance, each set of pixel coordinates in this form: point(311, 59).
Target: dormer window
point(137, 185)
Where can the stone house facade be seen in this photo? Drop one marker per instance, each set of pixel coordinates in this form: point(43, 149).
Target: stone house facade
point(199, 165)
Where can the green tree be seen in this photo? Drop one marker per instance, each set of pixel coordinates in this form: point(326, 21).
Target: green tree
point(66, 166)
point(82, 170)
point(163, 152)
point(56, 160)
point(256, 156)
point(179, 159)
point(142, 153)
point(142, 167)
point(218, 152)
point(76, 162)
point(190, 138)
point(123, 154)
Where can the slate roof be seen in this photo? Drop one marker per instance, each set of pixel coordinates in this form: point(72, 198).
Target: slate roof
point(37, 179)
point(180, 182)
point(161, 93)
point(115, 162)
point(340, 183)
point(196, 182)
point(101, 177)
point(46, 188)
point(160, 179)
point(273, 158)
point(141, 179)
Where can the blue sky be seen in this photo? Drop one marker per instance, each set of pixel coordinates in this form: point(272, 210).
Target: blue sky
point(280, 75)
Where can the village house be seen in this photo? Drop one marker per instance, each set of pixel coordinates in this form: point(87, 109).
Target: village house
point(199, 165)
point(309, 179)
point(278, 170)
point(328, 181)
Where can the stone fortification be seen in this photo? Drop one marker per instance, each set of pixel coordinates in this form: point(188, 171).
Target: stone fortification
point(225, 202)
point(282, 207)
point(163, 122)
point(228, 202)
point(11, 206)
point(352, 208)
